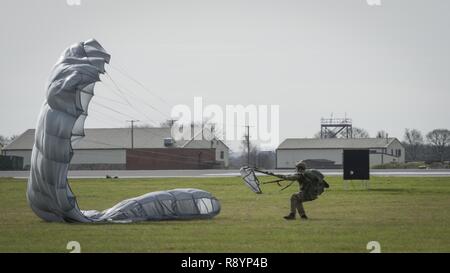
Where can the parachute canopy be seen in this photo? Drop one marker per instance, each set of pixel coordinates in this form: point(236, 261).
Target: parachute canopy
point(250, 179)
point(61, 123)
point(161, 205)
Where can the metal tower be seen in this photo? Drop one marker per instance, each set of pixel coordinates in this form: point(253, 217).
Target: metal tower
point(331, 127)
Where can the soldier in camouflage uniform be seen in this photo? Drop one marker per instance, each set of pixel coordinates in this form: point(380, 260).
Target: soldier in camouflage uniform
point(311, 184)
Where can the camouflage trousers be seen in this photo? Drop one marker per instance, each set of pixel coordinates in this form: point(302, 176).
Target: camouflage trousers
point(297, 200)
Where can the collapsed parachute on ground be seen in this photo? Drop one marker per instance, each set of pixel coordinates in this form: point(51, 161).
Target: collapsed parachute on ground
point(250, 179)
point(161, 205)
point(61, 123)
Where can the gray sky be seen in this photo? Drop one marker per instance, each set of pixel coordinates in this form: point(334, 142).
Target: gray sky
point(387, 67)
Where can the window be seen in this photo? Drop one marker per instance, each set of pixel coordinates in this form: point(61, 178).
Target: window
point(222, 154)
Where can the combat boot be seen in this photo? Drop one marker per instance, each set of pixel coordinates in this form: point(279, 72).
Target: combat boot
point(291, 216)
point(304, 217)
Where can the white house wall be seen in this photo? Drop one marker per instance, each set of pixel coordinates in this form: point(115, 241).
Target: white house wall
point(222, 148)
point(394, 146)
point(287, 158)
point(377, 159)
point(99, 157)
point(219, 146)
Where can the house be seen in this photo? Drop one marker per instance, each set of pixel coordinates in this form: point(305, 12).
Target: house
point(328, 152)
point(151, 148)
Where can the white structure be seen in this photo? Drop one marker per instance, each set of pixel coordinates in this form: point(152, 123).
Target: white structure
point(382, 150)
point(107, 148)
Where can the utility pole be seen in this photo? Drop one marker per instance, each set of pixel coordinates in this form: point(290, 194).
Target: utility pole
point(132, 131)
point(248, 145)
point(171, 122)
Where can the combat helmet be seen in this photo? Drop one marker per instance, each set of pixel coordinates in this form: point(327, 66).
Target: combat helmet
point(300, 165)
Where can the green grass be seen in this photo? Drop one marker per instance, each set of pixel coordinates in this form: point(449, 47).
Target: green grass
point(403, 214)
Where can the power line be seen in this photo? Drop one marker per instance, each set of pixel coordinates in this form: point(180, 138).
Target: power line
point(248, 144)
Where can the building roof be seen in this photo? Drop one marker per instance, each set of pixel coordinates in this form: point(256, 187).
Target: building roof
point(335, 143)
point(203, 143)
point(109, 138)
point(22, 142)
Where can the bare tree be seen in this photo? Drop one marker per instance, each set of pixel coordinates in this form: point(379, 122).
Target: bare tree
point(326, 134)
point(359, 133)
point(382, 134)
point(356, 133)
point(3, 141)
point(143, 125)
point(439, 139)
point(164, 124)
point(414, 141)
point(167, 123)
point(6, 140)
point(249, 157)
point(266, 159)
point(12, 138)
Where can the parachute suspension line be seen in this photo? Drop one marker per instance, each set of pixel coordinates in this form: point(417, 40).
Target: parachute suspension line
point(117, 91)
point(127, 101)
point(121, 71)
point(109, 99)
point(287, 186)
point(109, 116)
point(134, 107)
point(102, 120)
point(120, 96)
point(141, 100)
point(112, 109)
point(273, 181)
point(106, 117)
point(114, 91)
point(156, 109)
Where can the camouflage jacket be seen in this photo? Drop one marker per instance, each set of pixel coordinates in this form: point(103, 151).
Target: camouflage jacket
point(311, 182)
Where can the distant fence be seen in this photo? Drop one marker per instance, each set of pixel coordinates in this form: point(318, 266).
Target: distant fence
point(9, 162)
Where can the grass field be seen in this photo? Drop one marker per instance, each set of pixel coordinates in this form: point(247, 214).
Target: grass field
point(402, 214)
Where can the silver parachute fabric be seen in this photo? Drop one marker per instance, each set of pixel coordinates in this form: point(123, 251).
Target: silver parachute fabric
point(250, 179)
point(61, 123)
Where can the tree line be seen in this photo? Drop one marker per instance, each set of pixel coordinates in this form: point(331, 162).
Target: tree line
point(431, 147)
point(6, 140)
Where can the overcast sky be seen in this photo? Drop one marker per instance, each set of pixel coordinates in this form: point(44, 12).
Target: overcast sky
point(387, 67)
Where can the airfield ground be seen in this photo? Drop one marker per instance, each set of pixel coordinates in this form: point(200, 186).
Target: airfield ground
point(404, 214)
